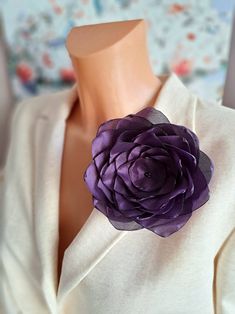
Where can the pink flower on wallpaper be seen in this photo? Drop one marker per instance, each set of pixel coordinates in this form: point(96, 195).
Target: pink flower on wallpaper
point(177, 8)
point(182, 68)
point(24, 72)
point(191, 36)
point(67, 74)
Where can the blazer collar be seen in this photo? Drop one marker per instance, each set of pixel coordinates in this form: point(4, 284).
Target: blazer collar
point(97, 236)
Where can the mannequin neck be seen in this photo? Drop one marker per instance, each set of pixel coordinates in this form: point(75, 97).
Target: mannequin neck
point(113, 72)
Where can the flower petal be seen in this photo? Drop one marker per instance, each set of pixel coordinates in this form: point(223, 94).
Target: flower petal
point(153, 115)
point(104, 140)
point(206, 166)
point(91, 178)
point(166, 227)
point(133, 122)
point(201, 190)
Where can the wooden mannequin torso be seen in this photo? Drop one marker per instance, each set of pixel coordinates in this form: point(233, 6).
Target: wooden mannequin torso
point(103, 95)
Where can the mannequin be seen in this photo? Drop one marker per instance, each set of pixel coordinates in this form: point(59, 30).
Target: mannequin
point(114, 78)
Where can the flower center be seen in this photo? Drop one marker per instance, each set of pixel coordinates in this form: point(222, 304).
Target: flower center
point(147, 174)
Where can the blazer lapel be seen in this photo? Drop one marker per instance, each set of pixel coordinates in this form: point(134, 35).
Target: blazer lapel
point(45, 211)
point(96, 237)
point(92, 243)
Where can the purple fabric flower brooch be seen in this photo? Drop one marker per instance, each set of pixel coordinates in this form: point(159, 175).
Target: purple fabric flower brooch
point(147, 172)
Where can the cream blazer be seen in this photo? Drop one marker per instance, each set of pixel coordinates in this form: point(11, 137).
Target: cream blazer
point(105, 270)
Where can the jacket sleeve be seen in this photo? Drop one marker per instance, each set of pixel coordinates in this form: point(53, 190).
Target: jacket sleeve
point(225, 277)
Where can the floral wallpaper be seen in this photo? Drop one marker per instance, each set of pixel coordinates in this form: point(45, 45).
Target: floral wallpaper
point(190, 38)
